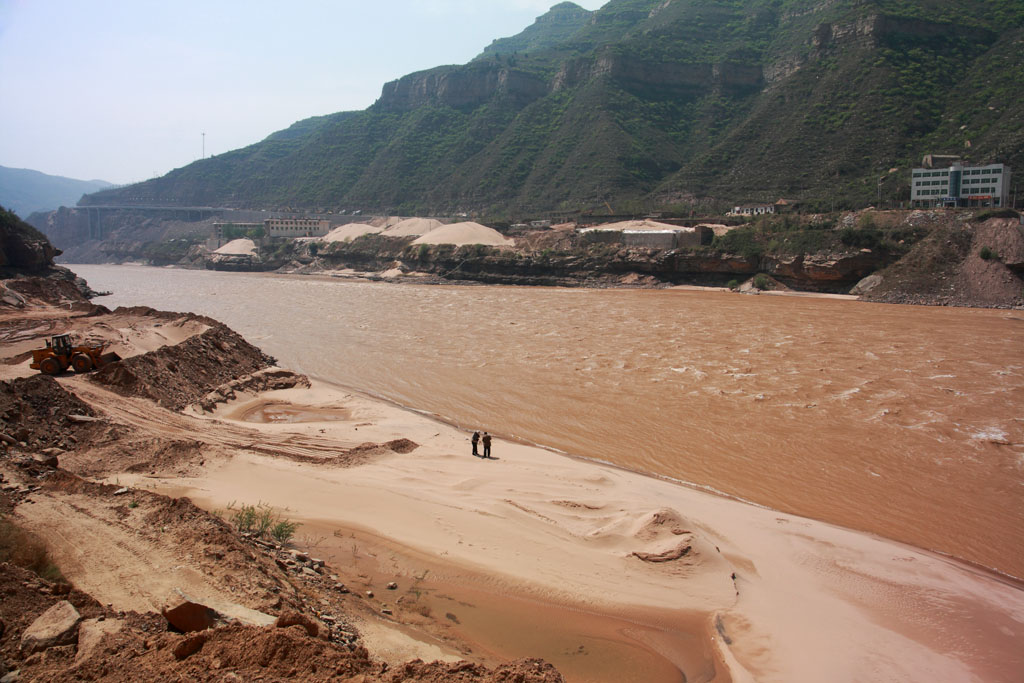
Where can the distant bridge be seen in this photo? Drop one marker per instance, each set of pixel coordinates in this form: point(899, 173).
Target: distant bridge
point(191, 214)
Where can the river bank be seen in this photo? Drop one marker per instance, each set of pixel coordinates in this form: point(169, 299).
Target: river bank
point(630, 573)
point(901, 421)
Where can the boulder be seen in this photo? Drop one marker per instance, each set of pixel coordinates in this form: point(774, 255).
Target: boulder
point(91, 632)
point(47, 459)
point(295, 619)
point(55, 627)
point(188, 615)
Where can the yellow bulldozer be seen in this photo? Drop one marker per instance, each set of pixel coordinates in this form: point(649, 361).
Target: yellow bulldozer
point(59, 355)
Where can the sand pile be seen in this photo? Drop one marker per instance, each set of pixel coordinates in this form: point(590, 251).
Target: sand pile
point(637, 225)
point(413, 226)
point(240, 247)
point(462, 234)
point(385, 222)
point(349, 232)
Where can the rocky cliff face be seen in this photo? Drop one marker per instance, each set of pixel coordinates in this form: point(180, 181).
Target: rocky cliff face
point(460, 88)
point(23, 249)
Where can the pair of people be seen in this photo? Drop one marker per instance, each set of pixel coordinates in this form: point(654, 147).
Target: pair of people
point(486, 438)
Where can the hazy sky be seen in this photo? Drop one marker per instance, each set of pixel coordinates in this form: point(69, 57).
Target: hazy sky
point(122, 90)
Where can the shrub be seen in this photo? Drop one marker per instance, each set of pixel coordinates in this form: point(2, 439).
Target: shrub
point(742, 241)
point(261, 520)
point(987, 254)
point(733, 285)
point(762, 282)
point(996, 213)
point(244, 518)
point(865, 238)
point(283, 531)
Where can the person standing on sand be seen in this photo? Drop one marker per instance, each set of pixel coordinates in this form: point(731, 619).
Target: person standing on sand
point(475, 439)
point(487, 445)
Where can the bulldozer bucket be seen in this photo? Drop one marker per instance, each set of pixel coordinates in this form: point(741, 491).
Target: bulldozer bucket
point(109, 357)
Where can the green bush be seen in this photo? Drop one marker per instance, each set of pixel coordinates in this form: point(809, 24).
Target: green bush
point(283, 531)
point(742, 241)
point(864, 238)
point(733, 285)
point(762, 282)
point(987, 254)
point(996, 213)
point(261, 520)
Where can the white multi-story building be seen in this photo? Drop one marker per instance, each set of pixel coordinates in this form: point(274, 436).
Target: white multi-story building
point(960, 185)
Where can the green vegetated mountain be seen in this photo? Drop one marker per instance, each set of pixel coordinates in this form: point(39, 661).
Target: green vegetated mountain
point(25, 191)
point(655, 104)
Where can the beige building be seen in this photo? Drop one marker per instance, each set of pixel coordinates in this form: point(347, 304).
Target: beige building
point(296, 227)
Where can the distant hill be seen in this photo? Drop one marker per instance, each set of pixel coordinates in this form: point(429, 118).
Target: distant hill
point(24, 191)
point(655, 104)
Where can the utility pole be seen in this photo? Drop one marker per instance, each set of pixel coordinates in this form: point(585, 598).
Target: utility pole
point(204, 146)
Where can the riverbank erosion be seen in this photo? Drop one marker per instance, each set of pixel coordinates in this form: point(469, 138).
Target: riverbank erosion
point(410, 548)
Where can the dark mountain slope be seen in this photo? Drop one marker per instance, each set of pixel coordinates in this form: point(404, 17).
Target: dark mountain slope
point(649, 103)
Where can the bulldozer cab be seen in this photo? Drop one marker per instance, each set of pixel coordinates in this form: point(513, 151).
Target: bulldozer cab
point(61, 344)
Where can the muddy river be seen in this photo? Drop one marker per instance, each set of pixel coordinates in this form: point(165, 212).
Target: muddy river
point(903, 421)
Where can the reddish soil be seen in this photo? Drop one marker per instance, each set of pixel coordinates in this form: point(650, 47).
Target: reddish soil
point(123, 549)
point(947, 268)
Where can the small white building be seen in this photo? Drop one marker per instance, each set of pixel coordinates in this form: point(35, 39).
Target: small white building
point(753, 209)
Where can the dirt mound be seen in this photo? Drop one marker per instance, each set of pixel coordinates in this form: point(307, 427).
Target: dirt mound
point(957, 265)
point(659, 524)
point(176, 376)
point(36, 410)
point(49, 290)
point(267, 653)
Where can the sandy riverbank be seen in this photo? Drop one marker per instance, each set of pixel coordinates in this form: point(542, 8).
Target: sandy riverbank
point(703, 582)
point(608, 574)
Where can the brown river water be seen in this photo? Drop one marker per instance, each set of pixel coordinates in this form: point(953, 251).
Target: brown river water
point(907, 422)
